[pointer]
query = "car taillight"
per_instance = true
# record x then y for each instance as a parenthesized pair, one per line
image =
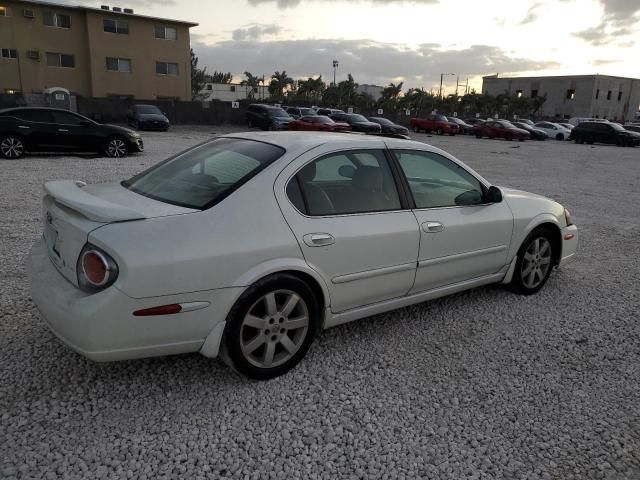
(96, 270)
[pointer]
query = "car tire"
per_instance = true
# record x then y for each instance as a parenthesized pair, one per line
(271, 327)
(116, 147)
(559, 137)
(508, 137)
(12, 146)
(534, 262)
(439, 131)
(478, 135)
(416, 129)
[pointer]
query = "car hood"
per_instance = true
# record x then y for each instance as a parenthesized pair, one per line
(339, 124)
(121, 130)
(631, 133)
(151, 117)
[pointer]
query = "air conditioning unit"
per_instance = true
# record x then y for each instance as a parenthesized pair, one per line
(104, 7)
(116, 9)
(33, 54)
(28, 13)
(128, 10)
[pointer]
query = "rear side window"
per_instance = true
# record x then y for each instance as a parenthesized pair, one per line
(341, 183)
(204, 176)
(41, 116)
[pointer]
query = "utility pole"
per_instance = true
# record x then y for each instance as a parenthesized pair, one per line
(336, 64)
(441, 76)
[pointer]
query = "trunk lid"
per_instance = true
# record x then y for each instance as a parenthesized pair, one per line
(72, 209)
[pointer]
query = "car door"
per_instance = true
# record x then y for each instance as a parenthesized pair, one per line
(462, 237)
(75, 133)
(351, 224)
(36, 124)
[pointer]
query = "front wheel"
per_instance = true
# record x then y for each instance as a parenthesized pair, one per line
(559, 137)
(271, 327)
(116, 148)
(534, 263)
(508, 137)
(439, 131)
(11, 147)
(416, 129)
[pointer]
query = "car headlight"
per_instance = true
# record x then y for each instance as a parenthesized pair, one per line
(567, 217)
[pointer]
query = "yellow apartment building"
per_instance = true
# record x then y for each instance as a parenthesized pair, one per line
(93, 52)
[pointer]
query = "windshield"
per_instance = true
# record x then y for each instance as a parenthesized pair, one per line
(278, 113)
(148, 109)
(382, 121)
(354, 117)
(205, 175)
(322, 119)
(307, 111)
(617, 126)
(455, 120)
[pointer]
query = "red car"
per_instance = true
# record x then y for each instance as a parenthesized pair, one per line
(501, 129)
(318, 123)
(434, 123)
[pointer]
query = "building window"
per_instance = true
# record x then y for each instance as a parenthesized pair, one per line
(57, 20)
(209, 87)
(619, 96)
(4, 11)
(164, 68)
(119, 64)
(534, 93)
(116, 26)
(8, 53)
(165, 33)
(232, 88)
(609, 95)
(571, 94)
(60, 60)
(597, 93)
(519, 93)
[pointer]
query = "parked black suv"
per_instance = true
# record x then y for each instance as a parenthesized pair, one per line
(604, 132)
(389, 127)
(267, 117)
(147, 117)
(358, 122)
(54, 130)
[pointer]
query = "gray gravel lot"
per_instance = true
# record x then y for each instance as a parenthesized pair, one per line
(484, 384)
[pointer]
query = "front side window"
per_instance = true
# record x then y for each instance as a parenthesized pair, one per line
(165, 33)
(57, 20)
(66, 118)
(349, 182)
(33, 115)
(204, 176)
(60, 60)
(436, 181)
(116, 26)
(164, 68)
(8, 53)
(119, 64)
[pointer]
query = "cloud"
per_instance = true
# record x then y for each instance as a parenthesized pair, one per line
(598, 63)
(620, 16)
(369, 61)
(531, 16)
(294, 3)
(254, 31)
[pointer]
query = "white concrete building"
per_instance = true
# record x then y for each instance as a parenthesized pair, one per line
(231, 92)
(602, 96)
(374, 90)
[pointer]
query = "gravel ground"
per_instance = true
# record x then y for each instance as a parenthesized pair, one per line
(484, 384)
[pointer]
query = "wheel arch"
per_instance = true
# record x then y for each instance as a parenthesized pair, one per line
(556, 238)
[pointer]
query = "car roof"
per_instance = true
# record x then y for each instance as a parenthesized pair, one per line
(35, 108)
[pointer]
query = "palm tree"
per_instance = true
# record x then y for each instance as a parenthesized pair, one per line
(280, 81)
(220, 77)
(252, 82)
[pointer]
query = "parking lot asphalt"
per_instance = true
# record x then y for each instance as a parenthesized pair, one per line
(484, 384)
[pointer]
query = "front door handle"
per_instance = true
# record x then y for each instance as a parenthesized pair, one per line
(318, 239)
(23, 126)
(432, 227)
(63, 130)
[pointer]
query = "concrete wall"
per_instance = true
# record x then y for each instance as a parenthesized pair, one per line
(583, 104)
(90, 46)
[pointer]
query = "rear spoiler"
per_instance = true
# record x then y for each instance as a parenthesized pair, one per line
(70, 193)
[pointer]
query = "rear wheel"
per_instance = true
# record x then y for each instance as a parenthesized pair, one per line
(11, 147)
(508, 137)
(116, 147)
(559, 137)
(271, 327)
(416, 129)
(534, 263)
(439, 131)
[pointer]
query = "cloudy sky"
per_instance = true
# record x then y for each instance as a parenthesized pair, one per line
(382, 41)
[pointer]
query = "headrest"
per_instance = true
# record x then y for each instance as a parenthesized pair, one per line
(308, 173)
(367, 177)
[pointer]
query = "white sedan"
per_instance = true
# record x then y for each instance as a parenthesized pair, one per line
(554, 130)
(248, 245)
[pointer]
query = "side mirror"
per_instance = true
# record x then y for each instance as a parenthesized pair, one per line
(494, 195)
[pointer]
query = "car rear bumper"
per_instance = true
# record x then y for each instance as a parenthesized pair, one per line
(102, 326)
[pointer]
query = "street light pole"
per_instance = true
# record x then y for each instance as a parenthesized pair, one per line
(441, 76)
(336, 64)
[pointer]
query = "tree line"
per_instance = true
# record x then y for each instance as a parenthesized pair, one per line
(344, 94)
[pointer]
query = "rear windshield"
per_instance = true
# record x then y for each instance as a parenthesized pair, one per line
(278, 112)
(147, 109)
(205, 175)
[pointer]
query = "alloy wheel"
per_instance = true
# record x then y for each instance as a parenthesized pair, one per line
(12, 147)
(536, 262)
(116, 148)
(274, 329)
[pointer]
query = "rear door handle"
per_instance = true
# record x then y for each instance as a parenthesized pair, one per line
(23, 126)
(432, 227)
(63, 130)
(318, 239)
